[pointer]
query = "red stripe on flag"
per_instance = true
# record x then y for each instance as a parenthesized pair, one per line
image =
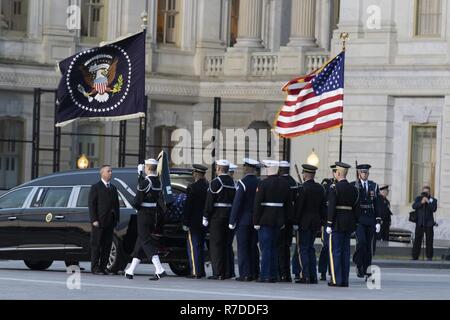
(309, 119)
(312, 106)
(320, 127)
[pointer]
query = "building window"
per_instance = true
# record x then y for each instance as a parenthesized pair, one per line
(423, 158)
(234, 19)
(13, 16)
(168, 21)
(90, 144)
(428, 18)
(93, 14)
(11, 152)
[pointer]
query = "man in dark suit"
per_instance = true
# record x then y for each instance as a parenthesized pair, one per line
(104, 214)
(309, 210)
(425, 206)
(192, 221)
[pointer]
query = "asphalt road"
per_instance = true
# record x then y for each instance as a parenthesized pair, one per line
(18, 282)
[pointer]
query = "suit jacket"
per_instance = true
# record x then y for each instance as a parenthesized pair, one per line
(309, 207)
(195, 203)
(425, 212)
(273, 189)
(104, 205)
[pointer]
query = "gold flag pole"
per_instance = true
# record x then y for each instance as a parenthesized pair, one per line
(344, 37)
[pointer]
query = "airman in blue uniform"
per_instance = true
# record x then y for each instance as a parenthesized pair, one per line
(241, 220)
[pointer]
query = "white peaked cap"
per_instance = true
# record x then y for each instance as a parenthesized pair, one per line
(284, 164)
(233, 167)
(250, 162)
(151, 161)
(270, 163)
(223, 162)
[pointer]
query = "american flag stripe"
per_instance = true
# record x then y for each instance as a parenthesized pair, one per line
(314, 102)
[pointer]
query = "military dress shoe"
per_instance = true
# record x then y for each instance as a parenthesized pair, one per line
(331, 284)
(191, 276)
(265, 280)
(129, 276)
(216, 278)
(285, 279)
(323, 277)
(158, 276)
(360, 273)
(244, 279)
(302, 280)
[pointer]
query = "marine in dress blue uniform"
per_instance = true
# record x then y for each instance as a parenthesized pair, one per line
(286, 234)
(192, 221)
(324, 257)
(343, 211)
(308, 216)
(272, 205)
(219, 201)
(241, 220)
(369, 220)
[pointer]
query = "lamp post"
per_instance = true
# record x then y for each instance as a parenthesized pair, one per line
(83, 162)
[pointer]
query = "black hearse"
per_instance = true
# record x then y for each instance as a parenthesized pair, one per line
(47, 219)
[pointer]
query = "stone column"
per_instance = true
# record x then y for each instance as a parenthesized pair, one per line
(303, 15)
(249, 26)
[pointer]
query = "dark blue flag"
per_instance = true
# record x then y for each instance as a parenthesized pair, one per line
(103, 83)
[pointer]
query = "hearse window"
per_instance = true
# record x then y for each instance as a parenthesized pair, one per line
(53, 198)
(83, 197)
(14, 199)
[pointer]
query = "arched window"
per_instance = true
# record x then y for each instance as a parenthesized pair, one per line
(14, 16)
(11, 152)
(93, 20)
(90, 144)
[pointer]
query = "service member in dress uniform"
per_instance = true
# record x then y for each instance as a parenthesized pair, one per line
(369, 220)
(230, 272)
(324, 257)
(219, 201)
(286, 234)
(308, 215)
(241, 220)
(343, 211)
(149, 212)
(273, 204)
(386, 213)
(193, 219)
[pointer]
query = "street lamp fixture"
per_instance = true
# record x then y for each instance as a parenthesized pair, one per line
(313, 159)
(83, 162)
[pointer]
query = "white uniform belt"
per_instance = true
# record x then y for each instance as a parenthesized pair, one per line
(148, 204)
(367, 206)
(222, 205)
(344, 208)
(272, 204)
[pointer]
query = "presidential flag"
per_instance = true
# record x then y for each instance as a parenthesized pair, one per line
(314, 102)
(105, 83)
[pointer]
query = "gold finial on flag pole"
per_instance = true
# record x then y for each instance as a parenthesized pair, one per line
(344, 37)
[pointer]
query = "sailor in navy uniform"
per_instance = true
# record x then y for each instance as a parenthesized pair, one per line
(192, 221)
(149, 212)
(241, 221)
(273, 204)
(369, 220)
(230, 272)
(324, 257)
(343, 211)
(219, 201)
(286, 234)
(308, 215)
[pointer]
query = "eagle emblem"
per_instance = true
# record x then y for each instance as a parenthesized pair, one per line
(99, 73)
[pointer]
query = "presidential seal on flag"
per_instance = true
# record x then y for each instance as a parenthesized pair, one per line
(104, 83)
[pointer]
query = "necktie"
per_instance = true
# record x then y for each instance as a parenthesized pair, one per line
(365, 186)
(107, 185)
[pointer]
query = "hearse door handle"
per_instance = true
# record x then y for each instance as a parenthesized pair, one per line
(12, 218)
(59, 217)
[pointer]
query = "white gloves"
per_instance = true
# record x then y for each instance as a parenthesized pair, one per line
(232, 226)
(205, 222)
(185, 228)
(295, 227)
(377, 228)
(257, 227)
(140, 168)
(328, 230)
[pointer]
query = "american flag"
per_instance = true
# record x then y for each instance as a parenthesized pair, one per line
(314, 102)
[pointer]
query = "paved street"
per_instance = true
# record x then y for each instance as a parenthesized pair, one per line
(18, 282)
